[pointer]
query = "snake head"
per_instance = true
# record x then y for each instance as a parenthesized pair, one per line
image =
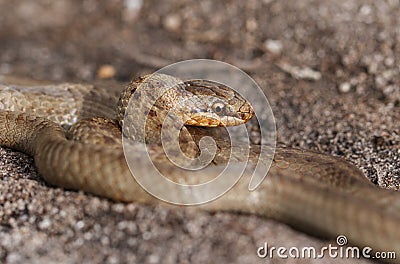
(220, 105)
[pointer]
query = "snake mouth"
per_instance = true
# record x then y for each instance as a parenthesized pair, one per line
(213, 120)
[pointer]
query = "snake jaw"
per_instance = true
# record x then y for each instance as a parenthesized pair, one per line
(202, 120)
(213, 120)
(208, 117)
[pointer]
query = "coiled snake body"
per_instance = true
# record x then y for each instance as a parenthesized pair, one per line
(314, 192)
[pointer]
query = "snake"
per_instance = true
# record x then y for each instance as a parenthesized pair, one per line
(73, 132)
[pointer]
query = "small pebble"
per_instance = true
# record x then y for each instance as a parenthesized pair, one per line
(251, 25)
(273, 46)
(345, 87)
(172, 22)
(106, 71)
(45, 224)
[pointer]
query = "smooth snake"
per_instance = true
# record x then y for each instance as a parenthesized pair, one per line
(314, 192)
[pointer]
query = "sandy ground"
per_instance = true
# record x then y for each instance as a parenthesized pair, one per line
(330, 70)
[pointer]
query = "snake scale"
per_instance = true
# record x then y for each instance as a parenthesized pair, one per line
(314, 192)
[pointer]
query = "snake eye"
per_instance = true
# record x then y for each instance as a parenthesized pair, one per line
(218, 108)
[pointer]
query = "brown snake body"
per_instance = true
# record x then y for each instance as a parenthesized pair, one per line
(314, 192)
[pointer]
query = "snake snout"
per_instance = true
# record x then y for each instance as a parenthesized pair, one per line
(245, 116)
(246, 112)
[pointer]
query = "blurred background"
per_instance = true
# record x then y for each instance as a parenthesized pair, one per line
(329, 68)
(344, 41)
